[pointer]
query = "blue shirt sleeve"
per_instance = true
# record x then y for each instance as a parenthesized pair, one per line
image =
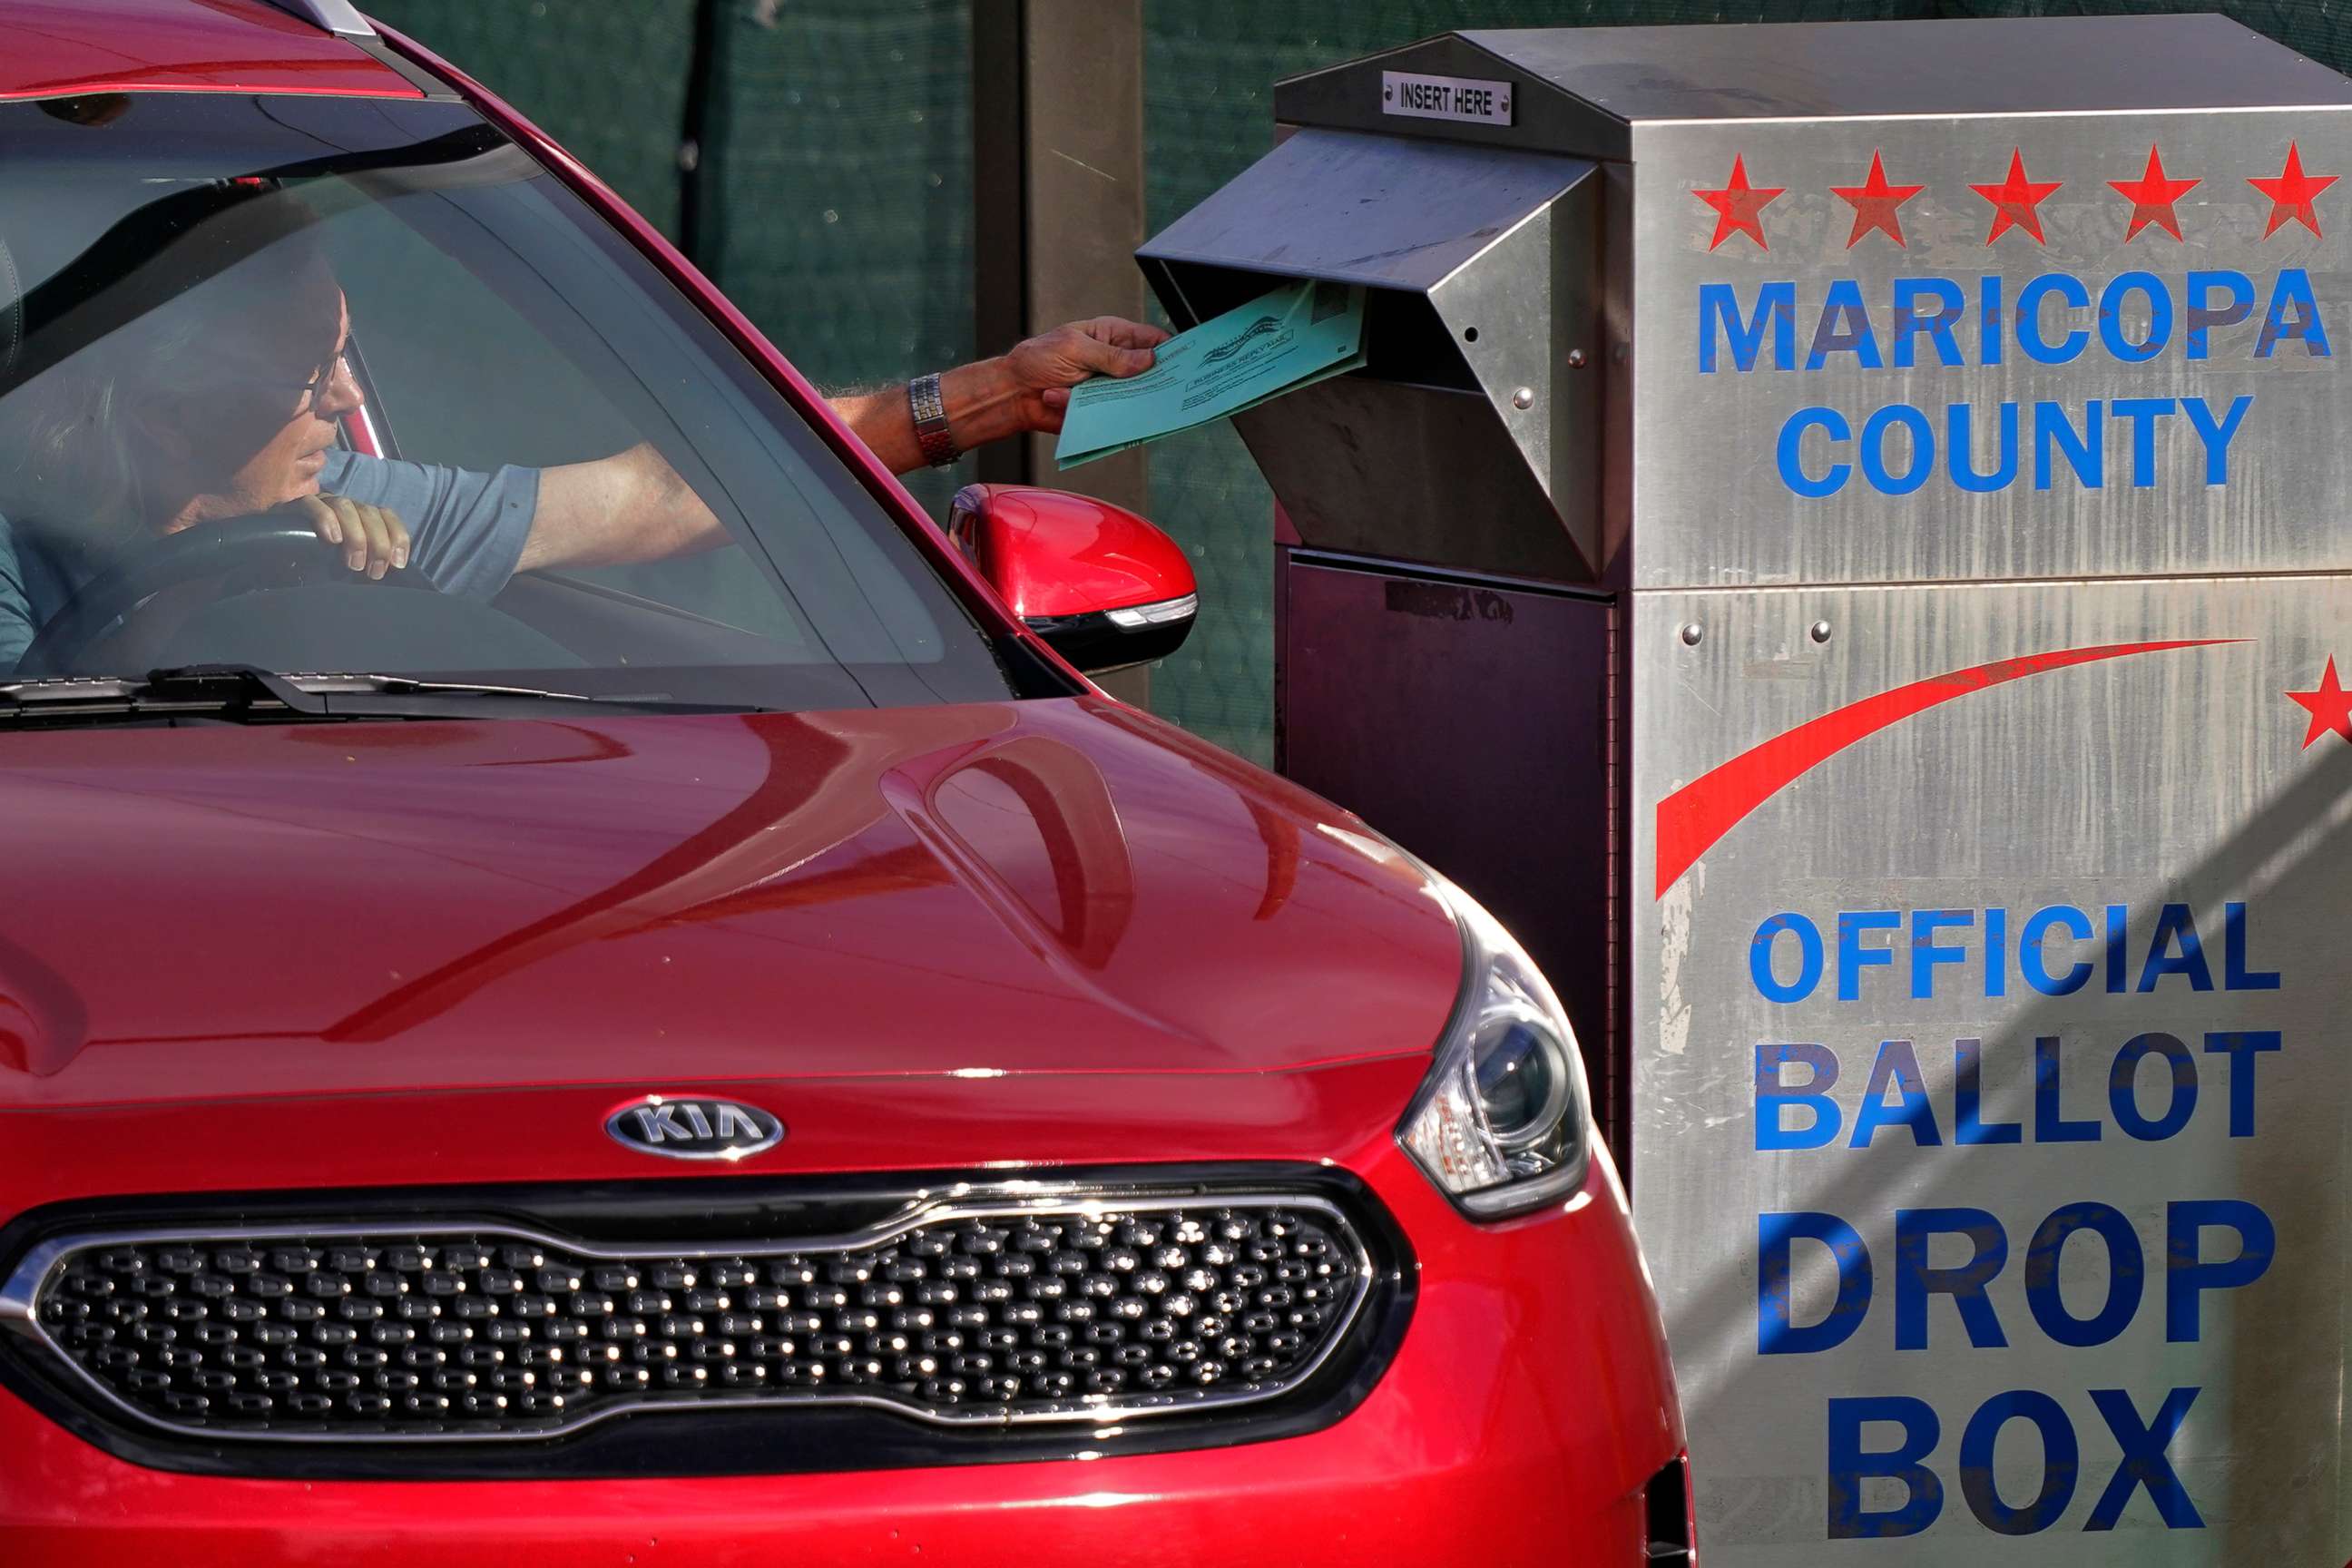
(466, 529)
(16, 624)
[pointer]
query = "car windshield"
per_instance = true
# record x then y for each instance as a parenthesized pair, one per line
(247, 340)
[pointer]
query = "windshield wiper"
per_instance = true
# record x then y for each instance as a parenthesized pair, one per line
(245, 694)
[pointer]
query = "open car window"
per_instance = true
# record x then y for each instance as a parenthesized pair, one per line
(160, 318)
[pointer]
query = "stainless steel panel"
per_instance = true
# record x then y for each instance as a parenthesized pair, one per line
(2139, 780)
(2012, 65)
(1373, 210)
(1712, 506)
(1577, 89)
(1526, 315)
(1422, 474)
(1543, 118)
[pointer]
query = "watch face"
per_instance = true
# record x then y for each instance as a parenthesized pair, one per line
(931, 421)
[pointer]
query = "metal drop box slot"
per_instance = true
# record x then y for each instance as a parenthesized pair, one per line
(1671, 580)
(1467, 437)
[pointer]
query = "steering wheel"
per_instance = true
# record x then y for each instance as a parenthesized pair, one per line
(273, 546)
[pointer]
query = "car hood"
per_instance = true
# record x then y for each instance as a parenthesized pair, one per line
(979, 891)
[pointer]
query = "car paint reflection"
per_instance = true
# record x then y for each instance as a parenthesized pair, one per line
(593, 899)
(801, 804)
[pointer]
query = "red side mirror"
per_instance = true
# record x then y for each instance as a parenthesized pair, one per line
(1106, 588)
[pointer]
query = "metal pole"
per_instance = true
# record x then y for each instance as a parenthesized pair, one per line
(999, 230)
(697, 218)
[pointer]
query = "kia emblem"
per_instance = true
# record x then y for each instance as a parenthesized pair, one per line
(684, 1127)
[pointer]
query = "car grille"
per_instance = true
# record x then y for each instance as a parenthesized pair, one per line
(1078, 1312)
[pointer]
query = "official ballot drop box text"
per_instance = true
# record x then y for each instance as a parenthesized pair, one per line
(1840, 541)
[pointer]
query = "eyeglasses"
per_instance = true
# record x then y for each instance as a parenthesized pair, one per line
(306, 391)
(336, 363)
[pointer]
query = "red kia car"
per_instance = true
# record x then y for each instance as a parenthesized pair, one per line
(707, 1047)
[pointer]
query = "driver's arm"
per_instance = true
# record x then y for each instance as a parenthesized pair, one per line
(633, 506)
(1015, 393)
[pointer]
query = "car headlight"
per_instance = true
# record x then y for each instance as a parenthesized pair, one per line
(1501, 1125)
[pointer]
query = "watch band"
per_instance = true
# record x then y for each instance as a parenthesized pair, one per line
(931, 421)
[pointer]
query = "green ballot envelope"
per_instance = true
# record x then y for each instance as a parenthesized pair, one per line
(1294, 337)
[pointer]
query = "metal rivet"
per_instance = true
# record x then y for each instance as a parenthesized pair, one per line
(1524, 397)
(1576, 359)
(1821, 631)
(1692, 633)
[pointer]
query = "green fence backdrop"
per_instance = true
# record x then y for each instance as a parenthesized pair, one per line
(833, 179)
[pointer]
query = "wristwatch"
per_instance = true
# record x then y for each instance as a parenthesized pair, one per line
(931, 421)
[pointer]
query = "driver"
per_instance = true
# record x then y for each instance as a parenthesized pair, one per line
(224, 403)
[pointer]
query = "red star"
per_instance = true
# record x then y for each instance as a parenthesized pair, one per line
(2015, 200)
(1738, 207)
(2292, 194)
(2151, 197)
(1873, 202)
(2330, 708)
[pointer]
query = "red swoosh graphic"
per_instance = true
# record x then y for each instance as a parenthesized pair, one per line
(1694, 817)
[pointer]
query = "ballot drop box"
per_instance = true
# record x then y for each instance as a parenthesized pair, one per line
(1843, 540)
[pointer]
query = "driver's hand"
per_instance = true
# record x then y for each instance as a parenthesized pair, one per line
(374, 541)
(1045, 368)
